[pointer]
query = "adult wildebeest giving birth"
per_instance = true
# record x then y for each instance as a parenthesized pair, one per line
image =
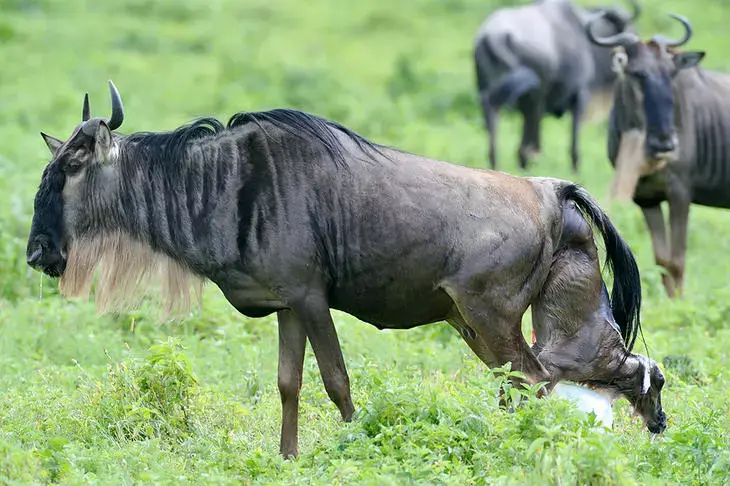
(538, 58)
(668, 138)
(290, 213)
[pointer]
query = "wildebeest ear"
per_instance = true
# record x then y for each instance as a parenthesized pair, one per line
(53, 143)
(684, 60)
(646, 381)
(102, 142)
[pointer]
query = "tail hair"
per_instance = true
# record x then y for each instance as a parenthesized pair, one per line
(495, 54)
(626, 292)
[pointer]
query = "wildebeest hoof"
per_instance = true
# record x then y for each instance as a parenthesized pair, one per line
(527, 154)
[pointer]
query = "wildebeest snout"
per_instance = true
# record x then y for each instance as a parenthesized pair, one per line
(661, 143)
(45, 258)
(660, 425)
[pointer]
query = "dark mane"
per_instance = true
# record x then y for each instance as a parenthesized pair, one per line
(298, 123)
(303, 124)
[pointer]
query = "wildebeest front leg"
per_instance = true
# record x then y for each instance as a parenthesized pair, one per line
(316, 319)
(655, 222)
(292, 342)
(678, 219)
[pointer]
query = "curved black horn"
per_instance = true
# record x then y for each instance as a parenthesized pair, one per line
(660, 39)
(86, 113)
(117, 108)
(620, 39)
(637, 10)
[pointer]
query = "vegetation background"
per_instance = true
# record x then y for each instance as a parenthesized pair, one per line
(124, 399)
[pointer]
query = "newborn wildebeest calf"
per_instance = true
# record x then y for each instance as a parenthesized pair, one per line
(286, 212)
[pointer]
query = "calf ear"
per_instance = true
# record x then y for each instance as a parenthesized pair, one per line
(646, 381)
(53, 143)
(684, 60)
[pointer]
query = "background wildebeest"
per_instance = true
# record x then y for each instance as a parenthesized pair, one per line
(537, 57)
(290, 213)
(668, 138)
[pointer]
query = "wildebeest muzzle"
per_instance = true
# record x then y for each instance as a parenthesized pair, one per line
(43, 255)
(660, 145)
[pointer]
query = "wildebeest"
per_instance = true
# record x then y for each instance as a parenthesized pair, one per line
(537, 57)
(290, 213)
(668, 138)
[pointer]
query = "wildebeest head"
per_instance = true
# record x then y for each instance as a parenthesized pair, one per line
(645, 395)
(644, 94)
(89, 145)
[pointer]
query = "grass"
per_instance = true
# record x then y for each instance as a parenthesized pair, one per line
(123, 399)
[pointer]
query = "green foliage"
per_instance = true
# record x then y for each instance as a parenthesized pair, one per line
(126, 399)
(151, 401)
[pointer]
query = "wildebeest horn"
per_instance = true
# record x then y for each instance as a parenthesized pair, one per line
(660, 39)
(637, 10)
(86, 114)
(620, 39)
(117, 108)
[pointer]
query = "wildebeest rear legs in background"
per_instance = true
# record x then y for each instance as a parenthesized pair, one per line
(491, 121)
(531, 106)
(582, 98)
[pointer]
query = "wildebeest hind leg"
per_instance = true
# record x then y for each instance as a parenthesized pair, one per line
(531, 107)
(497, 339)
(579, 106)
(492, 123)
(471, 338)
(315, 317)
(292, 341)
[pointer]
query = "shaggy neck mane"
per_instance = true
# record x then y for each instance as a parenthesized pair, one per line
(627, 111)
(127, 268)
(166, 208)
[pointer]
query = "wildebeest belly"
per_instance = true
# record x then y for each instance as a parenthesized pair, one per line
(387, 310)
(397, 296)
(248, 296)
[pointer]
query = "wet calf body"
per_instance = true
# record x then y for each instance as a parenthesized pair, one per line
(576, 336)
(291, 214)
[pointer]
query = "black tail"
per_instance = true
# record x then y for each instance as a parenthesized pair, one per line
(512, 85)
(626, 292)
(490, 55)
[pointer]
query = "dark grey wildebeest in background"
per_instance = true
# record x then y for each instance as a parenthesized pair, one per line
(669, 138)
(290, 213)
(537, 58)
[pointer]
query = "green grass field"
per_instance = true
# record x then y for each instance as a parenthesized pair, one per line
(125, 399)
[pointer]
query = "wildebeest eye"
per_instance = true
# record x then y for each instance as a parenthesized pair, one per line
(72, 167)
